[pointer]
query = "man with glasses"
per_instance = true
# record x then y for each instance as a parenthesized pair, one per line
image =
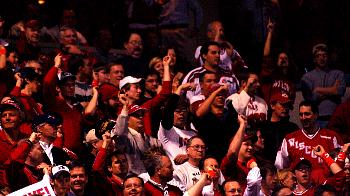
(188, 173)
(303, 169)
(299, 144)
(134, 59)
(323, 85)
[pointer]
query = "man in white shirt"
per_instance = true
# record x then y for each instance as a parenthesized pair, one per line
(188, 173)
(245, 102)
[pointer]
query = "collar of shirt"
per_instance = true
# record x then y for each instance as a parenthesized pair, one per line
(47, 148)
(164, 189)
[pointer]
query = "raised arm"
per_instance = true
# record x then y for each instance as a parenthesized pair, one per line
(170, 106)
(267, 47)
(320, 152)
(197, 188)
(102, 153)
(121, 126)
(237, 140)
(16, 91)
(90, 109)
(204, 108)
(50, 82)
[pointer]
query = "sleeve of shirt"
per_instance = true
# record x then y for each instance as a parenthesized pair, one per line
(253, 182)
(342, 83)
(282, 160)
(337, 141)
(306, 87)
(240, 101)
(180, 177)
(163, 135)
(121, 126)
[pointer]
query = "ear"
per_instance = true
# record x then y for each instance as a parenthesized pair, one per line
(109, 169)
(204, 57)
(272, 106)
(125, 44)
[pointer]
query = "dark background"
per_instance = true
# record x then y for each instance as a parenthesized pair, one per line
(299, 24)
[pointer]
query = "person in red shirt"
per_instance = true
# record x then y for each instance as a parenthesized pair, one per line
(28, 83)
(236, 163)
(299, 144)
(14, 143)
(63, 102)
(117, 166)
(305, 186)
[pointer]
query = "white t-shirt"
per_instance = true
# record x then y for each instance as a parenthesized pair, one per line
(174, 140)
(187, 175)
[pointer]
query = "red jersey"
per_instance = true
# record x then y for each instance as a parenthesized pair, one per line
(298, 145)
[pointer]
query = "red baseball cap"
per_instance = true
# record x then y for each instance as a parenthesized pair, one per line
(135, 108)
(280, 98)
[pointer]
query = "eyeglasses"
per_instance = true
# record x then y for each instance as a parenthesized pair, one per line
(198, 147)
(136, 43)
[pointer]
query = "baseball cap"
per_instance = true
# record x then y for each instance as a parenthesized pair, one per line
(301, 163)
(33, 24)
(136, 108)
(49, 118)
(64, 76)
(102, 126)
(90, 136)
(128, 80)
(280, 98)
(320, 46)
(10, 104)
(59, 170)
(107, 91)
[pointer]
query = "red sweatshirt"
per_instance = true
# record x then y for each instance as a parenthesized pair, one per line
(72, 117)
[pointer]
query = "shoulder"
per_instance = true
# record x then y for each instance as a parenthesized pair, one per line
(194, 73)
(173, 188)
(294, 134)
(328, 132)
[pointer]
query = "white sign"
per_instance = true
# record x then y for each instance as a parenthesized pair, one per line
(40, 188)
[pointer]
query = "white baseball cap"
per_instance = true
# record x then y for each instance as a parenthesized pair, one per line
(128, 80)
(90, 136)
(59, 169)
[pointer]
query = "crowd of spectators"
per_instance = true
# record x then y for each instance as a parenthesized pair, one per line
(156, 118)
